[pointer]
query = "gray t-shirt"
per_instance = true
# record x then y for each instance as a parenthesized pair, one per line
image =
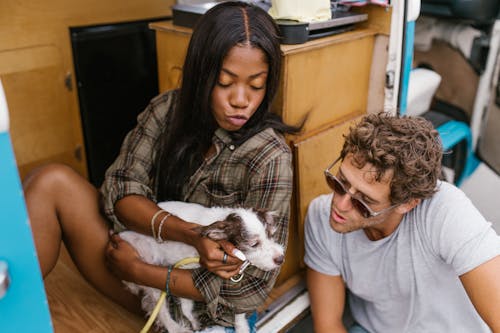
(408, 281)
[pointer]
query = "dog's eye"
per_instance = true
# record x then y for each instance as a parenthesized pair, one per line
(255, 244)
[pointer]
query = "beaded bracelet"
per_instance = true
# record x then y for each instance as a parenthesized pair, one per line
(158, 238)
(167, 288)
(153, 219)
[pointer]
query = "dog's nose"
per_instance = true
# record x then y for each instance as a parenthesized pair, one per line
(279, 259)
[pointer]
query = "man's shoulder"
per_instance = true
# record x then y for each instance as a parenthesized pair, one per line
(448, 212)
(447, 196)
(321, 202)
(318, 211)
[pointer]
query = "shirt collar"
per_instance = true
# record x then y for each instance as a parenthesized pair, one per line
(223, 136)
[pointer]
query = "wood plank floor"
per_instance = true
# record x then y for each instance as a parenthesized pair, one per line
(76, 307)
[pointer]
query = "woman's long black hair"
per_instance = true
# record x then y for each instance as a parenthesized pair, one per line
(192, 125)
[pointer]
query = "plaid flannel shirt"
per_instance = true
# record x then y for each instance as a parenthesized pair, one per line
(257, 173)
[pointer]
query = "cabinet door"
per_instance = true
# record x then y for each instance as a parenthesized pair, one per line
(43, 127)
(171, 47)
(313, 154)
(328, 81)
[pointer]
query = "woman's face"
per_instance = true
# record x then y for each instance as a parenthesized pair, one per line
(240, 88)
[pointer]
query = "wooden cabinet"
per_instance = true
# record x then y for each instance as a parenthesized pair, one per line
(312, 155)
(328, 79)
(37, 72)
(41, 121)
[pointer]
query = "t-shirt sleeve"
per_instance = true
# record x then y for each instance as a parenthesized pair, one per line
(321, 246)
(459, 234)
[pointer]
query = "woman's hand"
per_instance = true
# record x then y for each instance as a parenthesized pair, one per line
(212, 257)
(122, 258)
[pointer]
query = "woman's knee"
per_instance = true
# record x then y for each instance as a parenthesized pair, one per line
(51, 177)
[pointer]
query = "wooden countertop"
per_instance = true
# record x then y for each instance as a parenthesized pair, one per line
(168, 26)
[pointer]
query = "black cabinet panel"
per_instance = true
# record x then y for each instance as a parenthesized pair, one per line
(116, 74)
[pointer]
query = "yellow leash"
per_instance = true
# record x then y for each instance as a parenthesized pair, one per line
(154, 314)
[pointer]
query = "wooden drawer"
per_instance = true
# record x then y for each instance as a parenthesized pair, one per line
(327, 79)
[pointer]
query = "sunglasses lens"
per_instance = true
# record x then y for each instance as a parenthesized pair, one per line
(335, 185)
(360, 207)
(338, 188)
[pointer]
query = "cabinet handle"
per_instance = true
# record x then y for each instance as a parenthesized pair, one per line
(68, 81)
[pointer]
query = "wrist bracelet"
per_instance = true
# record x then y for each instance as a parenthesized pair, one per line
(153, 219)
(167, 288)
(158, 238)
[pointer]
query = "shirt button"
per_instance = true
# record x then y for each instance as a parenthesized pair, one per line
(232, 147)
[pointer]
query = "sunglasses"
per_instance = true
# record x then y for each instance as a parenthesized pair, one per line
(339, 188)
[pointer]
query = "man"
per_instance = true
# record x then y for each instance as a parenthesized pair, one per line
(412, 251)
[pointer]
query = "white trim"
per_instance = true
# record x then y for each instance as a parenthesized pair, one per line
(4, 111)
(413, 10)
(483, 94)
(286, 315)
(393, 68)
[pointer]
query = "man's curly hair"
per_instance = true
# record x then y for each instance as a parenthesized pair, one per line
(409, 146)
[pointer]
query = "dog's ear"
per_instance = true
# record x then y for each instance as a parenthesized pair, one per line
(215, 231)
(268, 218)
(229, 228)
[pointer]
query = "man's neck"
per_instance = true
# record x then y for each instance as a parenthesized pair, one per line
(384, 229)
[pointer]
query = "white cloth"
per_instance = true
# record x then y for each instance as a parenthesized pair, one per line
(300, 10)
(422, 86)
(409, 281)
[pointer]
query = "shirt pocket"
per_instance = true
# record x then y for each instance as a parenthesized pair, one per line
(219, 197)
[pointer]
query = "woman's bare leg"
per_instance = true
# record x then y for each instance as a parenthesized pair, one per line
(63, 206)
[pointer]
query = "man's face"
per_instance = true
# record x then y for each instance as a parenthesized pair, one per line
(345, 217)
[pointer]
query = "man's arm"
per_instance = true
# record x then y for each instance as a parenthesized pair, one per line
(483, 287)
(327, 295)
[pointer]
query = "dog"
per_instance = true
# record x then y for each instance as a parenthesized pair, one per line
(250, 230)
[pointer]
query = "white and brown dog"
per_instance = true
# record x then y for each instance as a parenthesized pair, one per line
(249, 230)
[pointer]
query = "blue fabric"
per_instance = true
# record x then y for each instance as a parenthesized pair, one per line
(252, 321)
(356, 328)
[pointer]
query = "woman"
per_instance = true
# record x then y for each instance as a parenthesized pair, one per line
(213, 142)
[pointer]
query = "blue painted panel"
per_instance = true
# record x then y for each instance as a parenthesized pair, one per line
(451, 133)
(407, 64)
(24, 307)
